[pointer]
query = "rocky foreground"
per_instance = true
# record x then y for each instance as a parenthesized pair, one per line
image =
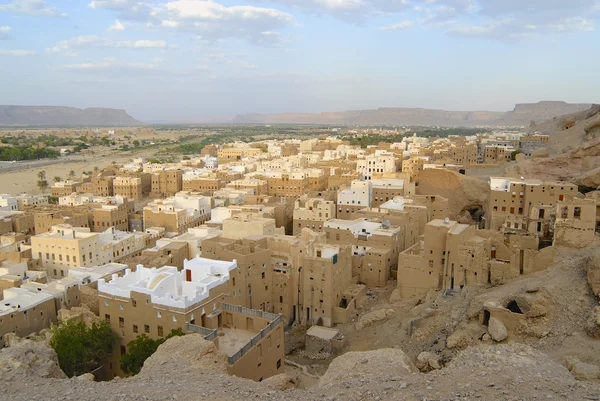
(192, 369)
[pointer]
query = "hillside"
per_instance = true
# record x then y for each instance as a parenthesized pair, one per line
(63, 116)
(522, 114)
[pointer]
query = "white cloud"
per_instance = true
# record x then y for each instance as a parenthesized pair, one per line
(206, 18)
(109, 64)
(35, 8)
(4, 33)
(134, 10)
(92, 41)
(117, 26)
(397, 27)
(18, 53)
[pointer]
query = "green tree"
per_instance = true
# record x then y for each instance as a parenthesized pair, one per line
(141, 349)
(81, 349)
(42, 184)
(57, 179)
(72, 173)
(513, 155)
(136, 143)
(41, 175)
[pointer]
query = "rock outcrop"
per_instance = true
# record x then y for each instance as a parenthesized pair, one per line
(463, 193)
(369, 364)
(427, 361)
(190, 350)
(30, 358)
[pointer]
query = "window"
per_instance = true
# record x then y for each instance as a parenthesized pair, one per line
(278, 363)
(107, 318)
(123, 350)
(135, 328)
(133, 303)
(147, 328)
(160, 331)
(121, 322)
(577, 213)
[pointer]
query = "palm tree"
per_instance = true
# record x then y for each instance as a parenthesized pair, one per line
(41, 175)
(72, 173)
(57, 179)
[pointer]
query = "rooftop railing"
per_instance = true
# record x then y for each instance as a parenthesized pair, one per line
(209, 334)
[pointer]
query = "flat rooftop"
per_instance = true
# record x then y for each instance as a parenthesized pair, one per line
(234, 340)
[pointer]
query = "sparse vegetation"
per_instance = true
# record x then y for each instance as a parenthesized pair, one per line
(141, 349)
(81, 349)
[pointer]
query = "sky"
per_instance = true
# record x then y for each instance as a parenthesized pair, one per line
(195, 60)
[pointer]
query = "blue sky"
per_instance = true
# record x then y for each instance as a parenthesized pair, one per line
(193, 60)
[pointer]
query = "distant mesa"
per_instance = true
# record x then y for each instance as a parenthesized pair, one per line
(64, 116)
(522, 115)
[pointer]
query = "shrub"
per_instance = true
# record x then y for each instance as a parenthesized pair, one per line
(81, 349)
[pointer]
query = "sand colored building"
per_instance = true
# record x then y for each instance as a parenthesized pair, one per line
(385, 189)
(64, 188)
(166, 182)
(381, 162)
(328, 295)
(312, 213)
(130, 187)
(227, 155)
(452, 256)
(23, 312)
(352, 199)
(66, 247)
(259, 187)
(575, 224)
(414, 166)
(250, 284)
(510, 200)
(156, 301)
(287, 184)
(245, 225)
(194, 238)
(375, 246)
(201, 182)
(179, 213)
(497, 154)
(99, 186)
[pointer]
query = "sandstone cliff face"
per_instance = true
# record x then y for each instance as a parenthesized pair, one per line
(63, 116)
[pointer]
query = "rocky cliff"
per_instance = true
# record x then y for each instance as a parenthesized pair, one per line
(63, 116)
(523, 114)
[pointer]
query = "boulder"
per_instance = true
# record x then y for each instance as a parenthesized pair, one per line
(372, 317)
(585, 371)
(88, 377)
(463, 192)
(191, 349)
(589, 179)
(30, 358)
(497, 330)
(368, 365)
(427, 361)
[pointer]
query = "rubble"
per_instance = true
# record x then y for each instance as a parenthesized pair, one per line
(427, 361)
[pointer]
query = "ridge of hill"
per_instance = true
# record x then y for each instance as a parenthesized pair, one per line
(521, 115)
(63, 116)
